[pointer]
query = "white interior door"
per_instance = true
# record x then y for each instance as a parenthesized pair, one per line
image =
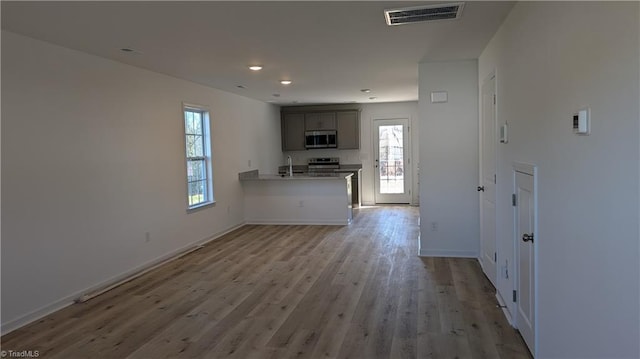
(487, 188)
(525, 237)
(391, 161)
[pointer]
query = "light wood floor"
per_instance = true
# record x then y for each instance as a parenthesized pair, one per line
(357, 291)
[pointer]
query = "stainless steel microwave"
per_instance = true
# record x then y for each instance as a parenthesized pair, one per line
(320, 139)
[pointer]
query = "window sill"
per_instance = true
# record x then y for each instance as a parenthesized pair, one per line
(201, 206)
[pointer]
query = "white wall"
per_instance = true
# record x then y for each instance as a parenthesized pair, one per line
(552, 59)
(449, 160)
(365, 156)
(93, 157)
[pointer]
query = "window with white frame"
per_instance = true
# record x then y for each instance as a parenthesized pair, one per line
(198, 151)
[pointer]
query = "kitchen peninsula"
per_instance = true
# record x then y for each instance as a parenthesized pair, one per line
(298, 199)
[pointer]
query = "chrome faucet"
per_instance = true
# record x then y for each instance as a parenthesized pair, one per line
(290, 163)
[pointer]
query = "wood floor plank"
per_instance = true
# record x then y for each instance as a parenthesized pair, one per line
(357, 291)
(405, 336)
(318, 297)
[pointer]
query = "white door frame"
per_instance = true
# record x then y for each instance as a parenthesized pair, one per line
(488, 185)
(393, 198)
(532, 170)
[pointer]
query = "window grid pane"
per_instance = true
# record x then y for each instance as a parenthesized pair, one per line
(197, 192)
(196, 170)
(193, 123)
(197, 123)
(195, 146)
(188, 122)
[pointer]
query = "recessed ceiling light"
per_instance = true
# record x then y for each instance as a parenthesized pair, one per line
(286, 82)
(365, 90)
(255, 67)
(276, 95)
(241, 87)
(372, 98)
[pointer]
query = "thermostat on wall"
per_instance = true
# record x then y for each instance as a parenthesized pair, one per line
(581, 121)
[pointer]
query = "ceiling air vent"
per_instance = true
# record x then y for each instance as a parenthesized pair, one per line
(410, 15)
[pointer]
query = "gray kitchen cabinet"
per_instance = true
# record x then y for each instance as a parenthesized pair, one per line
(320, 121)
(342, 118)
(348, 130)
(293, 126)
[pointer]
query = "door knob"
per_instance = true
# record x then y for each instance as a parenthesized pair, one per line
(480, 188)
(527, 237)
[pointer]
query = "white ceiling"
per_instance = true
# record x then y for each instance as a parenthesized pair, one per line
(329, 49)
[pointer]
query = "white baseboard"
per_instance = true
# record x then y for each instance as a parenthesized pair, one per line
(447, 253)
(110, 283)
(32, 316)
(371, 204)
(296, 223)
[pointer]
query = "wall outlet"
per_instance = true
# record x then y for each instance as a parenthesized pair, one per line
(301, 204)
(249, 163)
(147, 237)
(434, 226)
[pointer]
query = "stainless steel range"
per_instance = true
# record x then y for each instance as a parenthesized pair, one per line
(323, 166)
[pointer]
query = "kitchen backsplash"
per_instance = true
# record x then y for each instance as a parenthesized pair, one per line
(302, 157)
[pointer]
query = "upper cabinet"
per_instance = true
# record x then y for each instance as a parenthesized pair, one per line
(344, 119)
(348, 130)
(320, 121)
(293, 132)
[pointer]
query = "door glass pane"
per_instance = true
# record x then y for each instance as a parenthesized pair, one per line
(391, 159)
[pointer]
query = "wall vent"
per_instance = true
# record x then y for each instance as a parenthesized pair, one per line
(410, 15)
